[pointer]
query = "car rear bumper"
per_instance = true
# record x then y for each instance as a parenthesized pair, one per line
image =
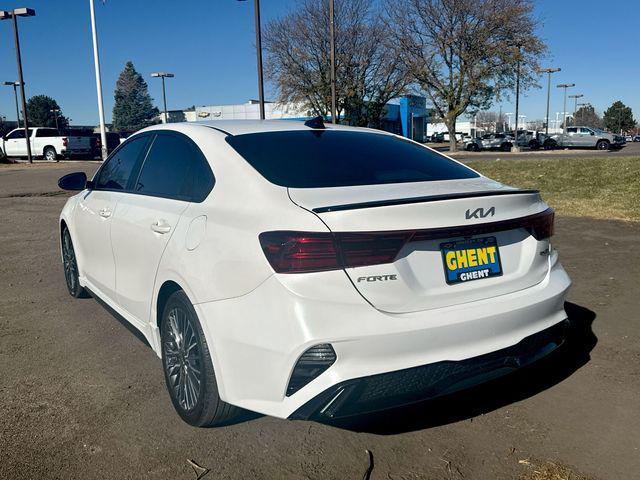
(382, 359)
(411, 385)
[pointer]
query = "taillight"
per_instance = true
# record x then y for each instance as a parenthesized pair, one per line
(65, 141)
(541, 226)
(360, 249)
(303, 252)
(299, 252)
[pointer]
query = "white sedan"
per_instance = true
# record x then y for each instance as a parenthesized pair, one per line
(312, 272)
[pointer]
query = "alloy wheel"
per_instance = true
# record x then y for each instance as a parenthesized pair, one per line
(182, 357)
(69, 263)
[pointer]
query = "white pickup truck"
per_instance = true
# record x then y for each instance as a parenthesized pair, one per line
(45, 142)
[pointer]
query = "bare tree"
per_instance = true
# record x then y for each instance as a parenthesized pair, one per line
(368, 74)
(463, 53)
(487, 121)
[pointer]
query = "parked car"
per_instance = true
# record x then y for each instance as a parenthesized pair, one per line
(628, 138)
(585, 137)
(374, 273)
(490, 141)
(636, 138)
(45, 142)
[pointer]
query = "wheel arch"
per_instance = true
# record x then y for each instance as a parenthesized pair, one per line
(44, 149)
(168, 288)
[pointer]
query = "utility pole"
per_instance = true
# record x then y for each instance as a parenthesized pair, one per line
(548, 71)
(332, 35)
(96, 62)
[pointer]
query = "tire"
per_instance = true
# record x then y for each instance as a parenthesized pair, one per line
(550, 145)
(188, 369)
(603, 145)
(505, 147)
(70, 266)
(50, 154)
(534, 145)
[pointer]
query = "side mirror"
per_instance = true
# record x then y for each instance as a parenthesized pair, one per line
(591, 133)
(74, 181)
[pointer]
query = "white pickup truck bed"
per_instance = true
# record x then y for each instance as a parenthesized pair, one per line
(45, 142)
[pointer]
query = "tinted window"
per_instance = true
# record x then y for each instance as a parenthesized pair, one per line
(115, 174)
(175, 168)
(313, 159)
(47, 132)
(572, 130)
(17, 134)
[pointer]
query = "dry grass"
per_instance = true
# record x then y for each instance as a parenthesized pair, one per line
(598, 187)
(552, 471)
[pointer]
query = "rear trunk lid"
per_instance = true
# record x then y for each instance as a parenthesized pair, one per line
(465, 224)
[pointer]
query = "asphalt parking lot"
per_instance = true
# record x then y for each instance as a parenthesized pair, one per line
(82, 397)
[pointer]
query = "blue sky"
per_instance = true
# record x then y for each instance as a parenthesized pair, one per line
(209, 45)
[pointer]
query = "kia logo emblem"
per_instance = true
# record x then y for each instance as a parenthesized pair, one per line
(480, 213)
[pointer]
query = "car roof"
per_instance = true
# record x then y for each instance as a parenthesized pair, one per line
(242, 127)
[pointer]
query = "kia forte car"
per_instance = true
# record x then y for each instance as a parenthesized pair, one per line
(307, 271)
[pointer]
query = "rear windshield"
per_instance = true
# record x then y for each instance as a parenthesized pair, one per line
(314, 159)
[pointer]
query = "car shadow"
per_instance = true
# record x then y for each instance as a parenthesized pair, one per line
(524, 383)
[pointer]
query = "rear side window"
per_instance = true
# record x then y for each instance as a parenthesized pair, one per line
(175, 168)
(114, 175)
(47, 132)
(314, 159)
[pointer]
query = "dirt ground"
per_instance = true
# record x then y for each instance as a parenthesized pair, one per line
(82, 397)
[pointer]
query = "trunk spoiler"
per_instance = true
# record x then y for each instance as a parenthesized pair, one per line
(428, 198)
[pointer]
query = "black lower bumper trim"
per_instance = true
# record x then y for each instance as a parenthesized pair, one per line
(411, 385)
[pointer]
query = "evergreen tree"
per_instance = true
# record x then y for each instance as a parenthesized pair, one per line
(41, 111)
(133, 107)
(619, 118)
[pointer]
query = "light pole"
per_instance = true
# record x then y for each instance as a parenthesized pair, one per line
(55, 112)
(332, 37)
(564, 109)
(96, 63)
(13, 15)
(164, 75)
(515, 146)
(256, 12)
(15, 96)
(508, 115)
(548, 71)
(575, 105)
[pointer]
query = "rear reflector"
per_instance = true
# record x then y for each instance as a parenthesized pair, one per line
(310, 365)
(304, 252)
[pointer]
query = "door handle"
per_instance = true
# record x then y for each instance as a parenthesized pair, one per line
(105, 213)
(161, 227)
